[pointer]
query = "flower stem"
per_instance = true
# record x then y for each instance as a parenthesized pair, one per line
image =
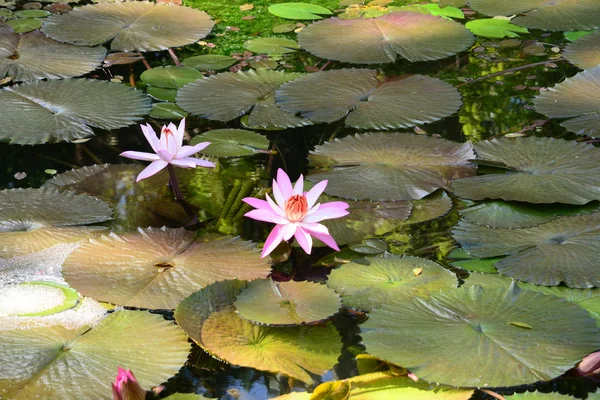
(193, 221)
(174, 183)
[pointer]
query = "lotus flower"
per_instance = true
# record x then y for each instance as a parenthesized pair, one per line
(167, 150)
(295, 213)
(126, 387)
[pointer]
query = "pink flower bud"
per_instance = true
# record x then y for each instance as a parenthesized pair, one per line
(126, 387)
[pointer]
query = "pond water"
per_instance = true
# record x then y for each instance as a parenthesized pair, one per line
(421, 249)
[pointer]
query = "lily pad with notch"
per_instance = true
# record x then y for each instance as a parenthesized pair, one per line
(390, 166)
(232, 142)
(412, 36)
(133, 25)
(368, 102)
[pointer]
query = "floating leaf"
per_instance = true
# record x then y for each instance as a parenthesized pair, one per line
(167, 111)
(272, 46)
(162, 93)
(170, 77)
(539, 170)
(562, 250)
(229, 95)
(299, 10)
(415, 100)
(23, 25)
(390, 166)
(543, 14)
(433, 9)
(431, 207)
(435, 332)
(131, 26)
(209, 62)
(494, 28)
(55, 362)
(387, 278)
(157, 268)
(572, 36)
(413, 36)
(32, 299)
(284, 28)
(31, 13)
(268, 302)
(460, 258)
(51, 111)
(585, 52)
(231, 142)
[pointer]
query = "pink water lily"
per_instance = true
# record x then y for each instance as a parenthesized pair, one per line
(167, 150)
(126, 387)
(296, 214)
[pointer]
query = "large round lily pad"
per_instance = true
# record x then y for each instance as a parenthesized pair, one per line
(32, 56)
(370, 103)
(229, 95)
(387, 278)
(539, 170)
(34, 299)
(390, 166)
(575, 98)
(555, 15)
(135, 25)
(157, 268)
(413, 36)
(482, 337)
(52, 111)
(584, 52)
(54, 362)
(562, 250)
(210, 320)
(286, 303)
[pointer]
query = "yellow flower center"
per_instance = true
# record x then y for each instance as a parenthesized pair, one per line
(296, 207)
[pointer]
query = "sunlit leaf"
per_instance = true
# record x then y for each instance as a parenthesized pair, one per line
(460, 258)
(167, 110)
(299, 10)
(33, 299)
(232, 142)
(273, 46)
(433, 9)
(209, 62)
(170, 77)
(494, 28)
(585, 52)
(135, 25)
(23, 25)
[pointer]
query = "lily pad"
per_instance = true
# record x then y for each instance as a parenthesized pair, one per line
(55, 362)
(387, 278)
(574, 97)
(501, 352)
(167, 110)
(562, 250)
(209, 62)
(23, 25)
(210, 320)
(232, 142)
(286, 303)
(460, 258)
(495, 28)
(157, 268)
(134, 25)
(162, 94)
(34, 56)
(543, 14)
(413, 36)
(585, 52)
(170, 77)
(299, 10)
(34, 299)
(433, 9)
(229, 95)
(389, 166)
(272, 46)
(371, 104)
(538, 170)
(57, 110)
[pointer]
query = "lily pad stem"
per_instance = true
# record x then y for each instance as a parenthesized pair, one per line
(511, 70)
(174, 57)
(193, 222)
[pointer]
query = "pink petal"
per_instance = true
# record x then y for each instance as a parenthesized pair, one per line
(272, 241)
(151, 137)
(288, 231)
(187, 151)
(325, 238)
(299, 187)
(278, 194)
(138, 155)
(283, 181)
(151, 169)
(165, 155)
(257, 203)
(185, 163)
(304, 239)
(334, 209)
(203, 163)
(168, 141)
(180, 132)
(266, 216)
(275, 207)
(314, 193)
(314, 227)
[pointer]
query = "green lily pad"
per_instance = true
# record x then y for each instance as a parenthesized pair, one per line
(210, 320)
(389, 166)
(157, 268)
(460, 258)
(538, 170)
(299, 10)
(433, 206)
(229, 95)
(273, 46)
(562, 250)
(387, 278)
(368, 103)
(413, 36)
(32, 56)
(162, 94)
(574, 98)
(572, 36)
(31, 13)
(40, 361)
(543, 14)
(167, 111)
(36, 299)
(540, 396)
(585, 52)
(495, 28)
(209, 62)
(133, 25)
(433, 9)
(284, 28)
(170, 77)
(57, 110)
(499, 353)
(23, 25)
(286, 303)
(232, 142)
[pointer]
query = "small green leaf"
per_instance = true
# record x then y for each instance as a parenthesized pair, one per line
(284, 28)
(167, 111)
(298, 10)
(272, 46)
(209, 62)
(495, 28)
(232, 142)
(23, 25)
(369, 246)
(170, 77)
(162, 94)
(31, 14)
(572, 36)
(521, 325)
(433, 9)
